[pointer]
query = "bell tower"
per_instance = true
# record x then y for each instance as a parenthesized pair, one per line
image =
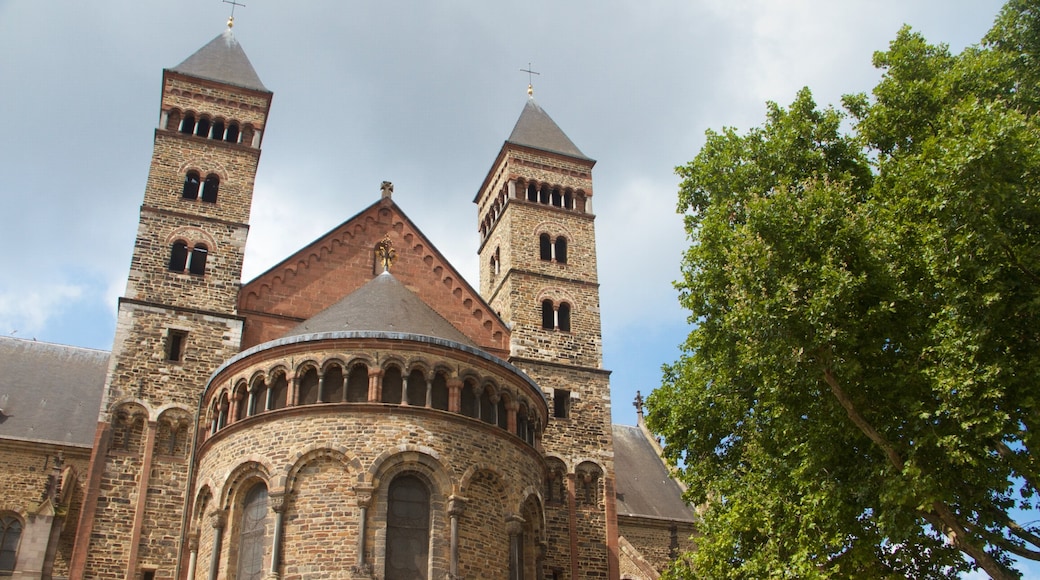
(177, 320)
(538, 271)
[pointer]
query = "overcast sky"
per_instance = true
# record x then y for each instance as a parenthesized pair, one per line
(420, 93)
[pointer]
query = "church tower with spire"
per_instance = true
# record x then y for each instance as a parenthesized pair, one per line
(538, 272)
(177, 320)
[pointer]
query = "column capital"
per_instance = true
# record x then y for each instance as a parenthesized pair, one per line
(218, 518)
(456, 505)
(363, 495)
(277, 501)
(514, 524)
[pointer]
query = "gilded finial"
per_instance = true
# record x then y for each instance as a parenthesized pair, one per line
(234, 4)
(230, 22)
(530, 79)
(385, 252)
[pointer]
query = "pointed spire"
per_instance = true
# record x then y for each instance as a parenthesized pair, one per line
(222, 60)
(536, 129)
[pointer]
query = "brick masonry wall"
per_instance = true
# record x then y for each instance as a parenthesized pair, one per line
(655, 538)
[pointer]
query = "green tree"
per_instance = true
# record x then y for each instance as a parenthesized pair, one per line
(860, 393)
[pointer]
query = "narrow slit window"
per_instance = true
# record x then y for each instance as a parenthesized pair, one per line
(548, 315)
(564, 316)
(561, 403)
(175, 340)
(561, 250)
(544, 247)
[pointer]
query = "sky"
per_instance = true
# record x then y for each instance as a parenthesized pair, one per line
(420, 93)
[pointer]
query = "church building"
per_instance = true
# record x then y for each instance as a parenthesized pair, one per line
(359, 410)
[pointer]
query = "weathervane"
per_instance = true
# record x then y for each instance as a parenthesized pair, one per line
(385, 252)
(530, 78)
(233, 3)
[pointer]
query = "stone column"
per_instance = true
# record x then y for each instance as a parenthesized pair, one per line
(193, 554)
(236, 398)
(219, 518)
(455, 506)
(375, 385)
(363, 498)
(511, 410)
(455, 395)
(429, 393)
(321, 386)
(277, 503)
(515, 528)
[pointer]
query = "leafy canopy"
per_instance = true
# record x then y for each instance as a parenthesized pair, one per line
(860, 394)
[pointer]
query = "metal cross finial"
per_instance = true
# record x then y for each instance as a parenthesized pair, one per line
(638, 403)
(530, 79)
(233, 3)
(385, 252)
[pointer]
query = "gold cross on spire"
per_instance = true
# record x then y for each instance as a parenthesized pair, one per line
(385, 252)
(233, 3)
(530, 79)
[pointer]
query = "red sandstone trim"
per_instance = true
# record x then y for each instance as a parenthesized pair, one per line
(613, 567)
(85, 526)
(142, 500)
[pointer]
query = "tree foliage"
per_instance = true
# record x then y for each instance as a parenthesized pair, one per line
(860, 394)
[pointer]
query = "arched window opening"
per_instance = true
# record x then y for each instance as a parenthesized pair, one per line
(202, 128)
(392, 386)
(468, 400)
(197, 265)
(439, 392)
(543, 195)
(178, 256)
(357, 385)
(417, 389)
(258, 397)
(557, 198)
(209, 189)
(564, 315)
(532, 192)
(521, 422)
(232, 133)
(407, 529)
(279, 393)
(218, 130)
(332, 385)
(487, 408)
(308, 387)
(501, 413)
(568, 199)
(561, 250)
(544, 247)
(252, 533)
(242, 403)
(191, 185)
(224, 411)
(548, 315)
(173, 120)
(188, 124)
(10, 536)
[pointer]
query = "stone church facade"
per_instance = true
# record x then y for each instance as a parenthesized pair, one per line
(358, 410)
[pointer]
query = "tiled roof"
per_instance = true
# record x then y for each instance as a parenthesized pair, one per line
(222, 60)
(536, 129)
(644, 486)
(50, 392)
(382, 305)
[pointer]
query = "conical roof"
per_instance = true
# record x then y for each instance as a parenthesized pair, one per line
(222, 60)
(536, 129)
(382, 305)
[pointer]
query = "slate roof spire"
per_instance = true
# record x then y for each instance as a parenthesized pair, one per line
(222, 60)
(536, 129)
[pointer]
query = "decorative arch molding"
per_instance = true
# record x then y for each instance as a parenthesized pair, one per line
(132, 407)
(162, 411)
(253, 467)
(409, 457)
(314, 452)
(553, 229)
(217, 168)
(557, 295)
(192, 235)
(473, 470)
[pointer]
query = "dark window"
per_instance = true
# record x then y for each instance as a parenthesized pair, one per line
(308, 387)
(232, 133)
(439, 392)
(209, 189)
(532, 192)
(175, 340)
(544, 247)
(218, 130)
(468, 401)
(417, 389)
(357, 385)
(202, 129)
(543, 195)
(548, 316)
(279, 392)
(178, 256)
(502, 414)
(407, 529)
(188, 124)
(332, 385)
(148, 575)
(198, 260)
(251, 535)
(564, 317)
(561, 250)
(568, 200)
(392, 386)
(487, 408)
(191, 185)
(258, 397)
(10, 535)
(557, 199)
(561, 403)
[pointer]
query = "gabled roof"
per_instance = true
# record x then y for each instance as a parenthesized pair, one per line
(222, 60)
(644, 485)
(536, 129)
(382, 305)
(50, 392)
